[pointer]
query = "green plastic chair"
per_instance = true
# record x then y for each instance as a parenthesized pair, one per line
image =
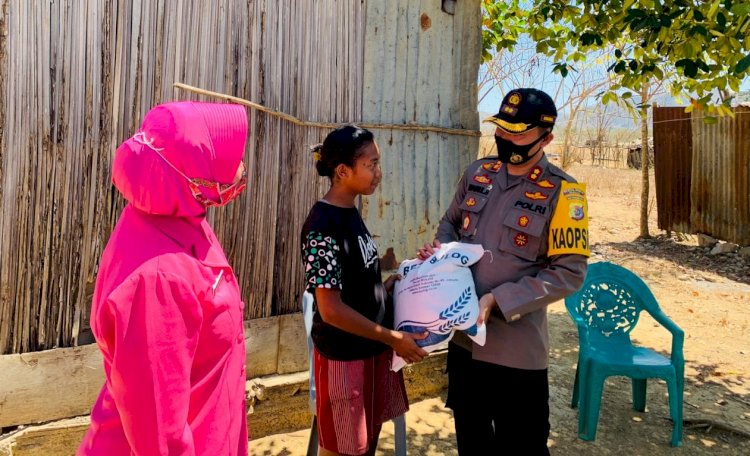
(606, 310)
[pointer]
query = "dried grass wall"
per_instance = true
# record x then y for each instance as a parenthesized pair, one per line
(76, 77)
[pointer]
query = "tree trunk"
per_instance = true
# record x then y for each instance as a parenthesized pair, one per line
(644, 164)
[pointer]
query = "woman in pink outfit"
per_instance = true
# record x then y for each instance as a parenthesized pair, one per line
(167, 312)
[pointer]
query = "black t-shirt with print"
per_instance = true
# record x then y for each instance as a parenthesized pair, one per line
(339, 253)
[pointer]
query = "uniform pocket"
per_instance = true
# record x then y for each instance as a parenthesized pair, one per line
(471, 207)
(521, 234)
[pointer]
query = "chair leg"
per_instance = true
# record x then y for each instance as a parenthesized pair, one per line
(400, 435)
(312, 444)
(576, 387)
(582, 372)
(639, 394)
(594, 401)
(676, 391)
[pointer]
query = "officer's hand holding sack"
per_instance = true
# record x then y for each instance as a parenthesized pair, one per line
(437, 296)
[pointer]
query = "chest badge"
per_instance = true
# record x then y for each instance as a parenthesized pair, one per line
(545, 184)
(493, 167)
(471, 202)
(535, 173)
(523, 221)
(535, 196)
(467, 222)
(482, 179)
(520, 240)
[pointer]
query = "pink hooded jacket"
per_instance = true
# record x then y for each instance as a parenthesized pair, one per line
(167, 313)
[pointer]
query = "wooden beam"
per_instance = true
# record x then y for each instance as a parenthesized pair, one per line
(49, 385)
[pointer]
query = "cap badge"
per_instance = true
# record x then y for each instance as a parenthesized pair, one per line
(509, 110)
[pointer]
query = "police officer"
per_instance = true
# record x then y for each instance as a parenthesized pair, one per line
(532, 218)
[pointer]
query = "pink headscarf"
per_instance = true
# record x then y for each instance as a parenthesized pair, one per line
(202, 140)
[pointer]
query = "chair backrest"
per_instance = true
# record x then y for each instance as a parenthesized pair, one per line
(610, 301)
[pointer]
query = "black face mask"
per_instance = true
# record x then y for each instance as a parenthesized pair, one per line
(507, 152)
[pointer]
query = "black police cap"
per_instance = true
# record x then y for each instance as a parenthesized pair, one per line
(524, 109)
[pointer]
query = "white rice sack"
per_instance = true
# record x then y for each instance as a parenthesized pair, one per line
(437, 295)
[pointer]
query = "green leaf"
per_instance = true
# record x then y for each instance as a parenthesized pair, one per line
(742, 65)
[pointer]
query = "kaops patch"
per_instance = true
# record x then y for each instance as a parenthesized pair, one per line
(535, 195)
(569, 227)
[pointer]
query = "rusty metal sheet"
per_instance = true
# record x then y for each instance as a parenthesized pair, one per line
(673, 152)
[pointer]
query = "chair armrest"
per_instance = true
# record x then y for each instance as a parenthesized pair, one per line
(678, 335)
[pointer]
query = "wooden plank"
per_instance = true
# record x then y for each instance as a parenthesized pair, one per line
(292, 344)
(49, 385)
(261, 344)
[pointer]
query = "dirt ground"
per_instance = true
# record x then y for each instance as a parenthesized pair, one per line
(708, 296)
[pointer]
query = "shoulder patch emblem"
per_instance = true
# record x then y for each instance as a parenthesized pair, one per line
(545, 184)
(482, 179)
(535, 195)
(520, 240)
(569, 227)
(535, 173)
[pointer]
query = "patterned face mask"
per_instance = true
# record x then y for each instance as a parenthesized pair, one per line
(226, 192)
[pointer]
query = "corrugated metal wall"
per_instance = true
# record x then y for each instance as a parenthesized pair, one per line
(673, 158)
(720, 190)
(420, 66)
(76, 77)
(703, 173)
